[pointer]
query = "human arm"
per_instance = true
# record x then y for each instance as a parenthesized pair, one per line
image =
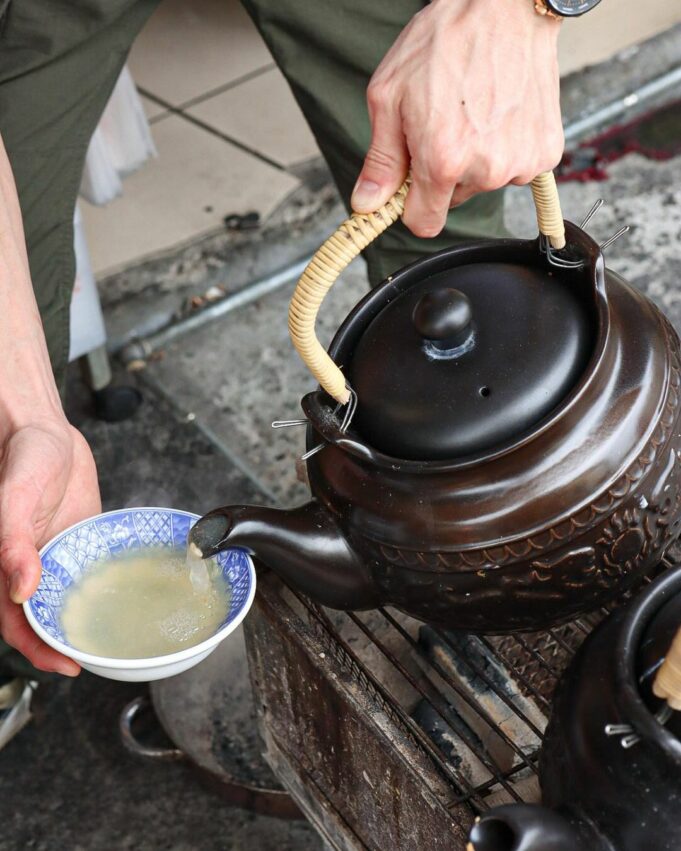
(468, 99)
(48, 478)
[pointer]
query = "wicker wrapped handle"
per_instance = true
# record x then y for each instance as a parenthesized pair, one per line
(667, 683)
(350, 239)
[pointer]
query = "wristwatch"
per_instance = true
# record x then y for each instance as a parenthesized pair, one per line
(564, 8)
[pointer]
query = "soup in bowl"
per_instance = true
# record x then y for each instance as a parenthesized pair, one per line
(119, 596)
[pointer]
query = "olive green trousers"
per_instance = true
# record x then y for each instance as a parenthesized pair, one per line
(59, 62)
(60, 59)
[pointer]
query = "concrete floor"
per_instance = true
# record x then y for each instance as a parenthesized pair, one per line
(200, 65)
(66, 782)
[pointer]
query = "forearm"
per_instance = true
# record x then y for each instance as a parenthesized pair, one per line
(27, 389)
(48, 478)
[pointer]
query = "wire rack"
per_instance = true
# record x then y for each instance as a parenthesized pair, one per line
(477, 705)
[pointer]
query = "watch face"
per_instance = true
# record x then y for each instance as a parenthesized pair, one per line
(572, 8)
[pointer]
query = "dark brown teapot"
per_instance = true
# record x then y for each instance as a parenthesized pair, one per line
(610, 770)
(503, 453)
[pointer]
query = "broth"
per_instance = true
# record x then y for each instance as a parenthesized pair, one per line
(147, 603)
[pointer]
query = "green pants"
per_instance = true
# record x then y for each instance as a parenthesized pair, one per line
(60, 60)
(328, 50)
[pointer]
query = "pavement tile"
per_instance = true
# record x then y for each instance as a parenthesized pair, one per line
(152, 110)
(190, 48)
(612, 27)
(262, 114)
(196, 180)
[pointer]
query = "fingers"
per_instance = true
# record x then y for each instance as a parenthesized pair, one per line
(436, 168)
(38, 485)
(461, 194)
(427, 205)
(20, 494)
(490, 176)
(20, 563)
(17, 632)
(446, 171)
(387, 160)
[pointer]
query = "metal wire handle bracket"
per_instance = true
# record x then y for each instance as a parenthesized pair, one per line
(352, 237)
(344, 426)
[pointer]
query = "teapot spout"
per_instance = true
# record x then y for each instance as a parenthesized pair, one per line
(304, 546)
(527, 827)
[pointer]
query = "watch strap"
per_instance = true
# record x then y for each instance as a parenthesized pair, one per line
(541, 7)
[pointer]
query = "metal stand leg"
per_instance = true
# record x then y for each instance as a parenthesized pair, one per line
(96, 369)
(112, 403)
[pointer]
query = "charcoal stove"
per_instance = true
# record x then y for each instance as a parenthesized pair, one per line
(389, 734)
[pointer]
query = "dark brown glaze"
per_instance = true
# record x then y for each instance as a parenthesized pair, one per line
(599, 795)
(557, 523)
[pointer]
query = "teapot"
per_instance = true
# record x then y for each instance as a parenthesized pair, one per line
(610, 769)
(500, 449)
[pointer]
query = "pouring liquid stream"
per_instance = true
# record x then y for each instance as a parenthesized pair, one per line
(198, 569)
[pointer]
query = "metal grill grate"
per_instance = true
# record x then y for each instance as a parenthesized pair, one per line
(477, 706)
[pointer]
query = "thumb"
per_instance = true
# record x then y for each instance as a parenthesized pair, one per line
(385, 166)
(20, 563)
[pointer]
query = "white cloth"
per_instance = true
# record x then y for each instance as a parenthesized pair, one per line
(121, 144)
(87, 322)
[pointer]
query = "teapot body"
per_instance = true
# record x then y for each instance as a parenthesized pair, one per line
(554, 521)
(610, 768)
(629, 795)
(562, 521)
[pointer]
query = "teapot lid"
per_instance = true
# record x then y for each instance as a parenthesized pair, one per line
(470, 358)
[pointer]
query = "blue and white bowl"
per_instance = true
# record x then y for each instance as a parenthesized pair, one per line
(80, 548)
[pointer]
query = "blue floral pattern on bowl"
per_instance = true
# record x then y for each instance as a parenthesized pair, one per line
(80, 548)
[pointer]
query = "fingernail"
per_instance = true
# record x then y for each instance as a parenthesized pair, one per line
(68, 669)
(14, 584)
(365, 195)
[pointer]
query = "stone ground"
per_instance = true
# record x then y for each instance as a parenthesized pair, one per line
(202, 438)
(66, 781)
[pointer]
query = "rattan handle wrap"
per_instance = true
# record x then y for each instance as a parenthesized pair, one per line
(350, 239)
(338, 251)
(549, 214)
(667, 683)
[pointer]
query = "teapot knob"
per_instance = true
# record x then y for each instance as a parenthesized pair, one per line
(444, 317)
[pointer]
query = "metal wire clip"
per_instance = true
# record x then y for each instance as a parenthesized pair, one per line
(629, 736)
(350, 409)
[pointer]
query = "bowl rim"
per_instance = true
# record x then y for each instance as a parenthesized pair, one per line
(136, 663)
